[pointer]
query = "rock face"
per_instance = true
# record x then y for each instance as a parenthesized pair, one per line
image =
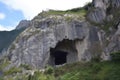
(103, 4)
(38, 45)
(59, 39)
(102, 10)
(98, 15)
(115, 41)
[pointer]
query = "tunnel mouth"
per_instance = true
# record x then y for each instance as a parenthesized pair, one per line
(60, 57)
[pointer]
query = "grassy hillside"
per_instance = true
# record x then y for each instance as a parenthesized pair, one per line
(107, 70)
(89, 71)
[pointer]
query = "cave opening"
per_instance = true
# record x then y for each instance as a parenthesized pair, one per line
(60, 57)
(64, 52)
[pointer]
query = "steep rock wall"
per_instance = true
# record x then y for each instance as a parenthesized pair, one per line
(33, 45)
(88, 41)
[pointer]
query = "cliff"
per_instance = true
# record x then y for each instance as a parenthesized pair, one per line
(58, 37)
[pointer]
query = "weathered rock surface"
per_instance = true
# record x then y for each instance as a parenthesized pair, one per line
(97, 15)
(103, 4)
(103, 10)
(114, 45)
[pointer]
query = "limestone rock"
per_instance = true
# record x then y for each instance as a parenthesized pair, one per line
(36, 44)
(97, 15)
(103, 4)
(114, 45)
(115, 3)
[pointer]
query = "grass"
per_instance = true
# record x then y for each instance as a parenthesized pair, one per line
(108, 70)
(76, 12)
(3, 63)
(13, 70)
(41, 76)
(94, 70)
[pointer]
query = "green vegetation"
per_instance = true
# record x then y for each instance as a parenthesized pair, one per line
(108, 70)
(75, 13)
(41, 76)
(78, 11)
(115, 56)
(49, 70)
(3, 63)
(12, 70)
(26, 67)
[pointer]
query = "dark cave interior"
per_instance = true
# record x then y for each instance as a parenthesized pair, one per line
(60, 57)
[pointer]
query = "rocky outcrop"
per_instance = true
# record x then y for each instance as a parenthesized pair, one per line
(23, 24)
(97, 15)
(34, 44)
(59, 39)
(103, 10)
(104, 4)
(114, 45)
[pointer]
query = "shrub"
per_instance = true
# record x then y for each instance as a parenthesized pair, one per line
(25, 66)
(1, 78)
(12, 70)
(115, 56)
(49, 70)
(96, 67)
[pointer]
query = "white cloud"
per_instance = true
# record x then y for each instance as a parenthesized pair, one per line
(2, 16)
(6, 28)
(31, 8)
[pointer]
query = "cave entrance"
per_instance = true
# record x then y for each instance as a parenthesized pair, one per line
(60, 57)
(64, 52)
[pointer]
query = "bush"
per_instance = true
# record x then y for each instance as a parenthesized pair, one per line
(25, 66)
(115, 56)
(12, 70)
(49, 70)
(96, 67)
(1, 78)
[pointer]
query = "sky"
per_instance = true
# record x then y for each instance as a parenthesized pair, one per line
(13, 11)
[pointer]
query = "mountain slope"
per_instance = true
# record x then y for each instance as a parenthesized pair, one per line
(7, 37)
